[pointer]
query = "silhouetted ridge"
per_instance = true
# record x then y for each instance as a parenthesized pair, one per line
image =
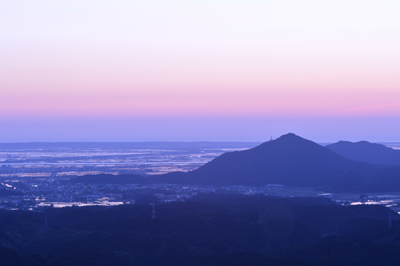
(291, 145)
(365, 151)
(289, 160)
(291, 137)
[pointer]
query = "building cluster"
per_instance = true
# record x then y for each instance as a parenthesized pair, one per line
(35, 193)
(31, 193)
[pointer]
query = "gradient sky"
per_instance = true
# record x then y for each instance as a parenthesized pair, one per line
(153, 70)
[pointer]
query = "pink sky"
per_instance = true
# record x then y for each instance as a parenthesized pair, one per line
(260, 59)
(218, 85)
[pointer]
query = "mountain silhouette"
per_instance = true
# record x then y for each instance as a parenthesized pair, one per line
(365, 151)
(293, 161)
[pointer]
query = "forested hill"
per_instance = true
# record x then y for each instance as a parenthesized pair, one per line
(365, 151)
(210, 229)
(294, 161)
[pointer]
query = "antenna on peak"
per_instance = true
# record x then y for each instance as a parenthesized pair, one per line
(153, 212)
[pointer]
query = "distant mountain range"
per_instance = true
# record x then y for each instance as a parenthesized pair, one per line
(365, 151)
(293, 161)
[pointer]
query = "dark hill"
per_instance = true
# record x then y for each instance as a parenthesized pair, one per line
(294, 161)
(208, 229)
(365, 151)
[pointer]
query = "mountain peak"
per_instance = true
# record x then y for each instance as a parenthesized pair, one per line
(365, 151)
(289, 160)
(289, 136)
(289, 141)
(293, 139)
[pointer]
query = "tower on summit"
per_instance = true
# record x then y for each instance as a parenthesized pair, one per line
(153, 212)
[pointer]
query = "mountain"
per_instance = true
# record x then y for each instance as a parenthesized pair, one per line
(365, 151)
(293, 161)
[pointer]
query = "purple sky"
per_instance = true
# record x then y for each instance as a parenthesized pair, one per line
(151, 70)
(195, 129)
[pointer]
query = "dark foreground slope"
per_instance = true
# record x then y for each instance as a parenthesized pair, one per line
(365, 151)
(210, 229)
(294, 161)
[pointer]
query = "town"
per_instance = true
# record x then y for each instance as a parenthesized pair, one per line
(37, 177)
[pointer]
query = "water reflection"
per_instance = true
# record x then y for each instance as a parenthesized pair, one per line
(79, 204)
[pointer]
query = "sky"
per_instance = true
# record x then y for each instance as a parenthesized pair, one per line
(93, 70)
